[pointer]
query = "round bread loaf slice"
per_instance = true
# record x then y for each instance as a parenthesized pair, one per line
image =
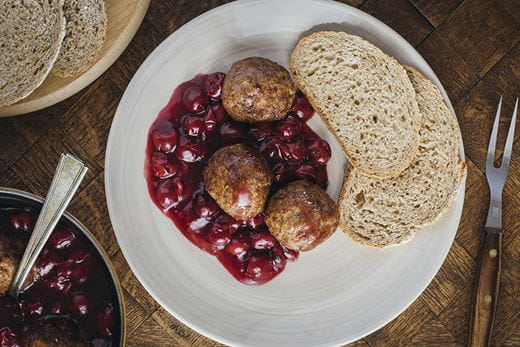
(364, 97)
(383, 212)
(86, 31)
(31, 33)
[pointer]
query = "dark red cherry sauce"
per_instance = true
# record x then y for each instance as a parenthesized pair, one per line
(71, 281)
(186, 133)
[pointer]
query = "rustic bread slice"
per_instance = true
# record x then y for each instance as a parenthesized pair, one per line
(383, 212)
(364, 97)
(86, 31)
(31, 33)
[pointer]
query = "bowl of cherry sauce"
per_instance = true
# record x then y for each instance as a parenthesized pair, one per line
(72, 296)
(187, 131)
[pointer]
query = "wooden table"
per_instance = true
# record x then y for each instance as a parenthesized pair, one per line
(473, 46)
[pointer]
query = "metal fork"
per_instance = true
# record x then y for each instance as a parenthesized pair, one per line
(488, 278)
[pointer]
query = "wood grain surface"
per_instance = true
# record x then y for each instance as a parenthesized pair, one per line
(473, 46)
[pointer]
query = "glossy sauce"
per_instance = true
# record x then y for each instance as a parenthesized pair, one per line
(68, 279)
(220, 235)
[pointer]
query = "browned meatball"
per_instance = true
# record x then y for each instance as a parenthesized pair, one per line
(301, 216)
(256, 90)
(238, 178)
(11, 251)
(55, 332)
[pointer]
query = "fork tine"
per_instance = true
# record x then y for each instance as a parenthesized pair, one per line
(510, 137)
(490, 160)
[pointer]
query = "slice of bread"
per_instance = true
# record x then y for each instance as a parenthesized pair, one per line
(364, 97)
(31, 33)
(86, 31)
(383, 212)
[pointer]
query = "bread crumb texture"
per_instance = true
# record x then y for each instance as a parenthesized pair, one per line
(383, 212)
(31, 33)
(365, 98)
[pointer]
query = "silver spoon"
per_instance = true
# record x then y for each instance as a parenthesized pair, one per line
(69, 174)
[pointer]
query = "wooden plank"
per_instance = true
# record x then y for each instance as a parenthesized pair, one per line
(455, 74)
(455, 274)
(436, 11)
(403, 329)
(37, 166)
(482, 32)
(402, 17)
(90, 207)
(88, 122)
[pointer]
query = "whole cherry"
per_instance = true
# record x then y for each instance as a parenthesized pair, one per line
(81, 271)
(21, 220)
(288, 128)
(232, 132)
(194, 99)
(213, 85)
(260, 131)
(226, 222)
(273, 149)
(106, 321)
(219, 237)
(61, 238)
(169, 192)
(162, 167)
(191, 152)
(262, 240)
(260, 267)
(279, 258)
(165, 139)
(205, 206)
(281, 172)
(79, 303)
(47, 262)
(303, 109)
(318, 150)
(305, 171)
(32, 307)
(294, 152)
(193, 125)
(218, 112)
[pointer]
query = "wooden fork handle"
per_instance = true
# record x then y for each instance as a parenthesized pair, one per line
(486, 293)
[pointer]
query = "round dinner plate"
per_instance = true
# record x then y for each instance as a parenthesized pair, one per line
(335, 294)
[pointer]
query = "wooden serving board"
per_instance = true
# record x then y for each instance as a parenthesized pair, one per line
(124, 18)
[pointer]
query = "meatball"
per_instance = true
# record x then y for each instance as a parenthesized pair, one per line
(301, 216)
(54, 332)
(256, 90)
(238, 179)
(11, 252)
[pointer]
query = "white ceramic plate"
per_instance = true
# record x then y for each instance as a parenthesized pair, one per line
(335, 294)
